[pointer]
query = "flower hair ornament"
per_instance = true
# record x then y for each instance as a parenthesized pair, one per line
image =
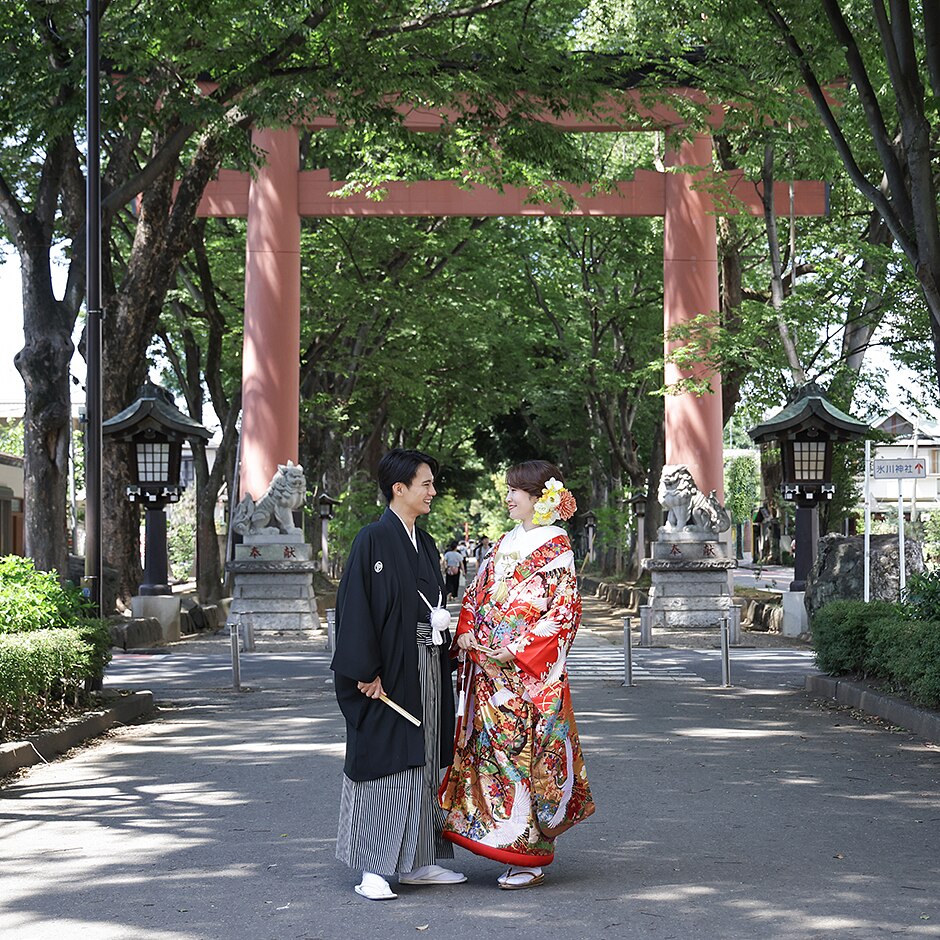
(555, 503)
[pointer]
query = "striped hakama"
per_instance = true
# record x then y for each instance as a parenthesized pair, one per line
(394, 824)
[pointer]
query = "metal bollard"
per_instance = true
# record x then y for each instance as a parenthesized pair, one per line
(248, 635)
(236, 663)
(331, 628)
(627, 653)
(725, 654)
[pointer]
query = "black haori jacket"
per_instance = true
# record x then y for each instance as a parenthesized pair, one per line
(377, 608)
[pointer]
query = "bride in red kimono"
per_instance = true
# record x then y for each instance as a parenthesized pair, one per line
(518, 778)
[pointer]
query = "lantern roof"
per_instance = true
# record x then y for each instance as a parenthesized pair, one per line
(153, 410)
(809, 408)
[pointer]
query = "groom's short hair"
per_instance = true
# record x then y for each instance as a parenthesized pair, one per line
(401, 466)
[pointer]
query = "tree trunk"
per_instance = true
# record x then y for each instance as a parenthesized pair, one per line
(797, 374)
(43, 362)
(209, 561)
(732, 279)
(161, 238)
(654, 511)
(208, 555)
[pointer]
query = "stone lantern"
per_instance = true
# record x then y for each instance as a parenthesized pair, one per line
(806, 430)
(638, 502)
(590, 527)
(325, 504)
(155, 429)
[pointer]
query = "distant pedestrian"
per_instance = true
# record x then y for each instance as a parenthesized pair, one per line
(518, 778)
(454, 563)
(390, 630)
(482, 550)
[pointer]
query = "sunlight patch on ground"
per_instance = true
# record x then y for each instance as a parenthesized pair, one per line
(267, 747)
(673, 892)
(192, 793)
(824, 923)
(719, 734)
(101, 930)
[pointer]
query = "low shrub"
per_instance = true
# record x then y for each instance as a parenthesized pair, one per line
(907, 653)
(45, 673)
(840, 634)
(35, 600)
(922, 595)
(883, 641)
(51, 652)
(889, 643)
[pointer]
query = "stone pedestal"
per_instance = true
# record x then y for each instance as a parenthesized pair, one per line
(689, 571)
(795, 620)
(272, 577)
(164, 608)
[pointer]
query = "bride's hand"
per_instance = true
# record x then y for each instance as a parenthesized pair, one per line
(505, 655)
(465, 641)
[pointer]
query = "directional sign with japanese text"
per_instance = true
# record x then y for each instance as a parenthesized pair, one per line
(899, 468)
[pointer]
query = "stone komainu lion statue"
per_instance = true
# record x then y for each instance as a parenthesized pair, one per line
(687, 507)
(285, 493)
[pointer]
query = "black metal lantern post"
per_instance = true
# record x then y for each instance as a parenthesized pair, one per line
(155, 428)
(806, 430)
(325, 504)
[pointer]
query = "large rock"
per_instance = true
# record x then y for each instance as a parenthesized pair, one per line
(839, 571)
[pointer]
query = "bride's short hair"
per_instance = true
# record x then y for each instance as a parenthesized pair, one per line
(531, 476)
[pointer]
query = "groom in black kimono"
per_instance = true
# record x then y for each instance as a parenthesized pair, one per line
(390, 818)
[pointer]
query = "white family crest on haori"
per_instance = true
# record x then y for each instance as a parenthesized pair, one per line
(687, 507)
(286, 492)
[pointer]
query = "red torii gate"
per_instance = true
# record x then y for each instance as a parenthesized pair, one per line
(280, 194)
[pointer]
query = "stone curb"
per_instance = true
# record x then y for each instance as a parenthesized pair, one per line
(890, 708)
(44, 747)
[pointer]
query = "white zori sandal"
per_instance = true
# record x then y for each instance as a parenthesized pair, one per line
(517, 878)
(375, 888)
(431, 875)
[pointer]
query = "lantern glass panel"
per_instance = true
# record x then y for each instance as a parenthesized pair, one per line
(809, 461)
(153, 461)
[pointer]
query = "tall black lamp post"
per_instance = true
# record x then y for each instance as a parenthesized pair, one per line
(155, 428)
(806, 429)
(91, 584)
(325, 504)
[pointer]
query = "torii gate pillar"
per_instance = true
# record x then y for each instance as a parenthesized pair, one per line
(270, 370)
(694, 423)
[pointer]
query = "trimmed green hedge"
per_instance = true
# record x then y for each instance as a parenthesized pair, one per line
(50, 651)
(840, 634)
(883, 641)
